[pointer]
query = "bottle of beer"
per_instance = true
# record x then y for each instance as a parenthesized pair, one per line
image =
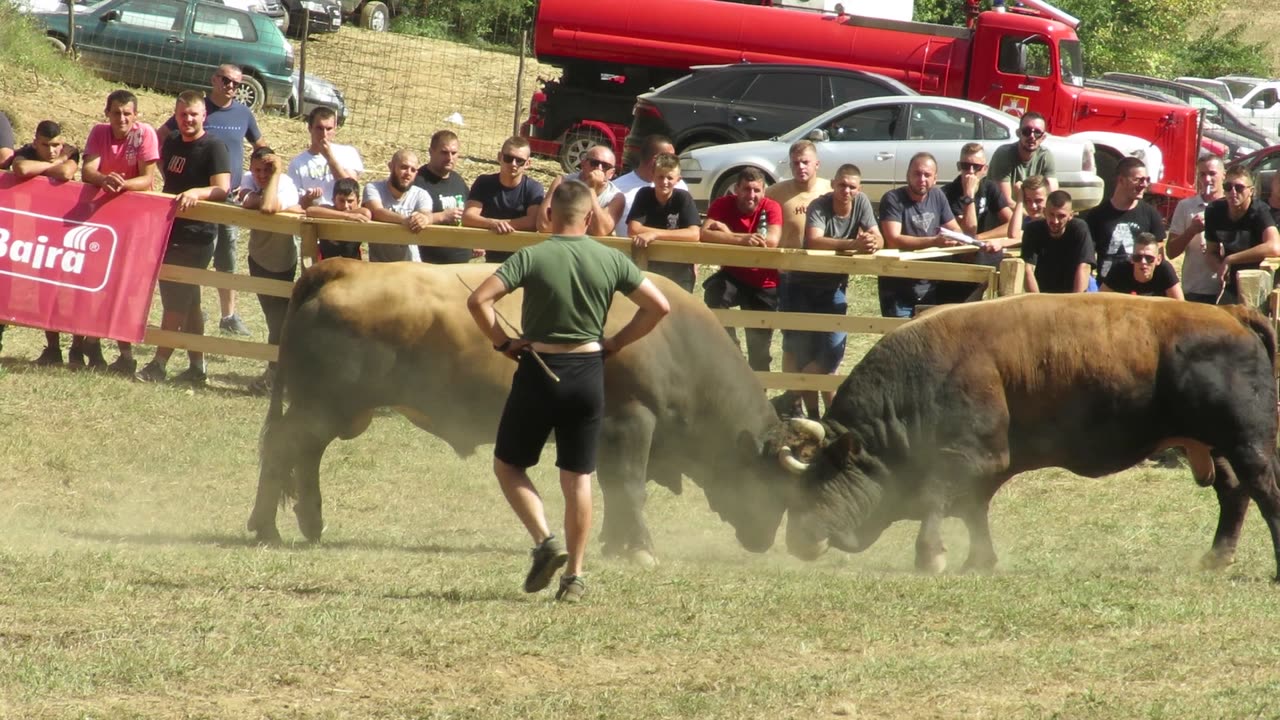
(762, 225)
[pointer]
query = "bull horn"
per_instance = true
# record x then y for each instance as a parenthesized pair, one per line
(805, 426)
(790, 462)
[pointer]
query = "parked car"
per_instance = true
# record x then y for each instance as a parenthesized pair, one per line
(175, 45)
(1264, 165)
(316, 92)
(1216, 88)
(1240, 85)
(1226, 132)
(372, 14)
(1226, 115)
(880, 135)
(271, 8)
(720, 104)
(326, 15)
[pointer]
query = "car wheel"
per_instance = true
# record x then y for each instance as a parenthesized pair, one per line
(375, 16)
(284, 28)
(250, 93)
(56, 44)
(577, 143)
(725, 184)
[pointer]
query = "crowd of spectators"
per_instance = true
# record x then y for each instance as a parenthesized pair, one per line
(1014, 200)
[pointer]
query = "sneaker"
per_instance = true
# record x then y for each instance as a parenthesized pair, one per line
(94, 357)
(572, 588)
(548, 558)
(193, 376)
(233, 325)
(50, 356)
(152, 372)
(75, 357)
(126, 366)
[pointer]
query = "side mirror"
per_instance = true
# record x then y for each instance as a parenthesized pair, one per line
(818, 135)
(1259, 105)
(109, 16)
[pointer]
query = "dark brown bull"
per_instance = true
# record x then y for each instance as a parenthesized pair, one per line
(363, 336)
(941, 412)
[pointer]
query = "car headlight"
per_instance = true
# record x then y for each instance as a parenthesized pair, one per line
(689, 164)
(324, 93)
(313, 6)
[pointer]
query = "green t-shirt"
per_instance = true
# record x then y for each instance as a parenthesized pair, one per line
(1006, 165)
(568, 284)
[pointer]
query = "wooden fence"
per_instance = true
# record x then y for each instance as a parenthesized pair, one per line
(887, 263)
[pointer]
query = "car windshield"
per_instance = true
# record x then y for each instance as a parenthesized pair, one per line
(1070, 64)
(1215, 89)
(1240, 88)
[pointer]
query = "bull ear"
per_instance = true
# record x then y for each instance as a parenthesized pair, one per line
(748, 443)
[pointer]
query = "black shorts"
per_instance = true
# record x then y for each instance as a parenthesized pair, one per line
(179, 297)
(573, 407)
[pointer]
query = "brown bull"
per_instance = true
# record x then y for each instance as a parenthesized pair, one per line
(361, 336)
(943, 411)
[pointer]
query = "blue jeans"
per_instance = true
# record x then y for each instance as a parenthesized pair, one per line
(825, 349)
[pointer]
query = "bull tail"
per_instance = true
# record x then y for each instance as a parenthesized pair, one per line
(1260, 325)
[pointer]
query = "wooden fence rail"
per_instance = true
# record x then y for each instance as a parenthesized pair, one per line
(888, 263)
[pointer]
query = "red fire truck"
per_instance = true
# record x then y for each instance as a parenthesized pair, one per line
(1028, 58)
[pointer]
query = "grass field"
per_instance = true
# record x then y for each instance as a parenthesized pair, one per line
(131, 589)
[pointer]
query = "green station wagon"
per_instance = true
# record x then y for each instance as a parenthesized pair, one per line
(175, 45)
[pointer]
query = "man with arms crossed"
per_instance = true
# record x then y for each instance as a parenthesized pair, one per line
(315, 170)
(232, 123)
(120, 155)
(841, 220)
(448, 191)
(195, 168)
(1200, 281)
(508, 200)
(569, 281)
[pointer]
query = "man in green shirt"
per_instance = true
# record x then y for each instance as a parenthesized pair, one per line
(568, 281)
(1017, 161)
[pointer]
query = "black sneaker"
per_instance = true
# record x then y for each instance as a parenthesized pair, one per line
(152, 372)
(93, 356)
(75, 357)
(126, 366)
(548, 558)
(50, 356)
(193, 376)
(572, 589)
(233, 325)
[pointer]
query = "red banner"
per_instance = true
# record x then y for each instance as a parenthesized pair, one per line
(79, 260)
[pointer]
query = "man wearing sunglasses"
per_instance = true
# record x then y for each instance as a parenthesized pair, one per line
(982, 211)
(1017, 161)
(230, 122)
(1145, 272)
(1239, 232)
(595, 170)
(1116, 221)
(508, 200)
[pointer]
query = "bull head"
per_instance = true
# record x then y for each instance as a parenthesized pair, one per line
(799, 435)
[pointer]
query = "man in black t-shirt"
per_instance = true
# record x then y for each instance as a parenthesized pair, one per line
(665, 212)
(448, 191)
(982, 211)
(196, 167)
(508, 200)
(1057, 250)
(1118, 220)
(1239, 232)
(1144, 273)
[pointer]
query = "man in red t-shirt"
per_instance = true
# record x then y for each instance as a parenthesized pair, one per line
(747, 218)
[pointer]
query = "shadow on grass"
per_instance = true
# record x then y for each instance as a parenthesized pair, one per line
(222, 540)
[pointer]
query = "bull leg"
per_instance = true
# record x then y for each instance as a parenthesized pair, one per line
(931, 553)
(625, 440)
(1233, 506)
(277, 458)
(307, 508)
(982, 552)
(1256, 471)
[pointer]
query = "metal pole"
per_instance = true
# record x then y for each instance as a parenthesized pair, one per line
(515, 117)
(302, 58)
(71, 28)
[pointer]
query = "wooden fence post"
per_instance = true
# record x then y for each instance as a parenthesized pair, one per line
(1012, 276)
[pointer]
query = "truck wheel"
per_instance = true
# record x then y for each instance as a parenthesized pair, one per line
(576, 143)
(56, 43)
(251, 93)
(375, 16)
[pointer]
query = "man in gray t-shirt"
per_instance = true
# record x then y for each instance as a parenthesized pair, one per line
(911, 217)
(841, 220)
(398, 200)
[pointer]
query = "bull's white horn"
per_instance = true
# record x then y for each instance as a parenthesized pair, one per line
(789, 461)
(809, 427)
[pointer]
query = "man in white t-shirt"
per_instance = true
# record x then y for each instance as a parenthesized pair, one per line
(596, 172)
(315, 170)
(628, 185)
(1200, 282)
(397, 200)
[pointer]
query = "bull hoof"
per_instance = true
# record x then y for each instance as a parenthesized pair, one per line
(1214, 560)
(612, 551)
(932, 564)
(311, 523)
(808, 552)
(644, 559)
(265, 533)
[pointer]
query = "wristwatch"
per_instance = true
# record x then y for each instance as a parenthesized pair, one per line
(966, 201)
(503, 347)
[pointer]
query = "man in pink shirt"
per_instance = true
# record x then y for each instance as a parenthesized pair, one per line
(745, 217)
(120, 155)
